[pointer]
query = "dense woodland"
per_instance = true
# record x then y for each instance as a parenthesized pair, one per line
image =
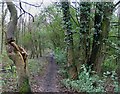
(72, 46)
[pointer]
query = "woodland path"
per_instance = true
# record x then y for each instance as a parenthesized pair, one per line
(49, 82)
(50, 77)
(44, 76)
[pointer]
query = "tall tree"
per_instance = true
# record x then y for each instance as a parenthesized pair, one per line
(84, 33)
(118, 59)
(17, 54)
(69, 40)
(102, 28)
(2, 25)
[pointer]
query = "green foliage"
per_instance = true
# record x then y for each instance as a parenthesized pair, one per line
(60, 56)
(55, 32)
(61, 59)
(26, 87)
(7, 64)
(110, 64)
(91, 83)
(8, 73)
(27, 39)
(48, 30)
(33, 66)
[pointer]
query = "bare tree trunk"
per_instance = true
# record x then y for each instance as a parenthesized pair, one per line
(18, 29)
(2, 25)
(17, 54)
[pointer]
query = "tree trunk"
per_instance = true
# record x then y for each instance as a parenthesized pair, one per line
(118, 59)
(69, 41)
(17, 54)
(2, 25)
(40, 46)
(102, 27)
(84, 44)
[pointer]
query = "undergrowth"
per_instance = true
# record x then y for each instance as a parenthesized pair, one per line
(93, 83)
(60, 56)
(36, 67)
(8, 73)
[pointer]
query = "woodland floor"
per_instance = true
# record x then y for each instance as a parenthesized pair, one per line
(44, 77)
(50, 81)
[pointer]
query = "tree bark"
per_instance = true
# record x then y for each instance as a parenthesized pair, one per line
(73, 74)
(40, 46)
(2, 25)
(118, 59)
(84, 33)
(96, 37)
(102, 28)
(17, 54)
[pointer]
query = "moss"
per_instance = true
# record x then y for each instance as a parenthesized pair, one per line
(25, 88)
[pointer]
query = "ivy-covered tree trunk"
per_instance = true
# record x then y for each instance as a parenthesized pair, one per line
(17, 54)
(73, 74)
(96, 36)
(84, 44)
(102, 28)
(118, 59)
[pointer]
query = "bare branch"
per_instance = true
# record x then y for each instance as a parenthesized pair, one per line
(18, 7)
(32, 4)
(117, 4)
(25, 11)
(21, 15)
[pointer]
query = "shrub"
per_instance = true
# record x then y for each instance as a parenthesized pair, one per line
(60, 56)
(92, 83)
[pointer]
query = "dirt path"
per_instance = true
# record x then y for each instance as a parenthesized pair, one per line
(49, 81)
(50, 78)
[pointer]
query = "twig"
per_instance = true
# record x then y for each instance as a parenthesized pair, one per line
(74, 20)
(117, 4)
(25, 11)
(114, 36)
(32, 4)
(20, 15)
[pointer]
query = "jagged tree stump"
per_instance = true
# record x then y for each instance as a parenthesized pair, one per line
(17, 54)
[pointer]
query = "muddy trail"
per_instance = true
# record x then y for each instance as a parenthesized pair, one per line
(50, 77)
(49, 81)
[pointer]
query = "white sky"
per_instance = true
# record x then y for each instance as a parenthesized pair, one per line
(28, 8)
(48, 2)
(34, 10)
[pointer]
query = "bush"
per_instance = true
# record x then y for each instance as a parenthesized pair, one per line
(92, 83)
(60, 56)
(110, 64)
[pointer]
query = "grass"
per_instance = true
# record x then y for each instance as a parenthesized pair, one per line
(8, 75)
(36, 66)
